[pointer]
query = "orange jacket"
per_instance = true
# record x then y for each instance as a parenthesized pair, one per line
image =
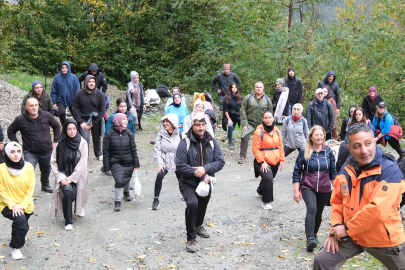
(369, 204)
(260, 145)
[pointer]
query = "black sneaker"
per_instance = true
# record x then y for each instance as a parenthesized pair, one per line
(311, 244)
(191, 246)
(202, 232)
(155, 204)
(47, 189)
(231, 146)
(316, 239)
(241, 161)
(127, 197)
(117, 206)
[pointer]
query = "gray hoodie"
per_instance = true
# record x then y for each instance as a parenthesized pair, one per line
(295, 135)
(166, 145)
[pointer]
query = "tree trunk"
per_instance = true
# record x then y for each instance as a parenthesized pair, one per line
(290, 13)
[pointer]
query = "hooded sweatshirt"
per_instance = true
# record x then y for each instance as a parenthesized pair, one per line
(166, 144)
(295, 86)
(64, 87)
(187, 119)
(44, 101)
(334, 88)
(101, 81)
(88, 102)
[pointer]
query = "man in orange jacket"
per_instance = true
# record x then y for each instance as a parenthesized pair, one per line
(365, 207)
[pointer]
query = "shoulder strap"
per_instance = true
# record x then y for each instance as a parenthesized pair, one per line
(288, 119)
(267, 98)
(304, 124)
(212, 145)
(262, 134)
(187, 143)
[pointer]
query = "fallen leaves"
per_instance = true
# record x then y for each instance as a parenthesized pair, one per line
(115, 229)
(141, 257)
(92, 259)
(41, 247)
(56, 245)
(39, 233)
(219, 231)
(282, 257)
(244, 243)
(211, 224)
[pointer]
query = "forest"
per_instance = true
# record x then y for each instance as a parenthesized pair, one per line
(185, 43)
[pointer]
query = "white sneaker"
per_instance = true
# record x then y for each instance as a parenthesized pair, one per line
(258, 195)
(69, 227)
(274, 179)
(16, 254)
(82, 214)
(267, 206)
(100, 158)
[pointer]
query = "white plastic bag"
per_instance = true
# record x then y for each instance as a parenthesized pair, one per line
(203, 189)
(137, 185)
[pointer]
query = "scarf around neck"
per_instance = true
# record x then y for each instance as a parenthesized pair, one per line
(295, 118)
(267, 128)
(117, 120)
(66, 151)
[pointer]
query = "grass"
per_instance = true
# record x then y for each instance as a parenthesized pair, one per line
(24, 81)
(363, 261)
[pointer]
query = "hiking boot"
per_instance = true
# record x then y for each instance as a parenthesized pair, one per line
(202, 232)
(241, 161)
(316, 239)
(230, 146)
(267, 206)
(16, 254)
(47, 188)
(117, 206)
(127, 197)
(191, 246)
(155, 204)
(311, 244)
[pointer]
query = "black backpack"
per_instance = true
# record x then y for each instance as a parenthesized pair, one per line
(396, 121)
(163, 91)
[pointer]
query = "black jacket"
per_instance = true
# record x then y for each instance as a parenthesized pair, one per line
(101, 81)
(334, 88)
(1, 134)
(323, 115)
(233, 110)
(88, 103)
(212, 160)
(35, 135)
(295, 86)
(119, 155)
(224, 81)
(369, 106)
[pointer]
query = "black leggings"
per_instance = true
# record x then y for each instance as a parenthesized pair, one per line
(139, 111)
(159, 179)
(315, 203)
(266, 184)
(69, 195)
(62, 112)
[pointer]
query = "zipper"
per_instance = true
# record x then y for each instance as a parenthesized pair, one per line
(121, 145)
(317, 183)
(202, 155)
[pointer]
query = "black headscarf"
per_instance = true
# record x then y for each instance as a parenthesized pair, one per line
(9, 163)
(66, 151)
(174, 104)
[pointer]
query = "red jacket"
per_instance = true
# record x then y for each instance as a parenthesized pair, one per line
(369, 204)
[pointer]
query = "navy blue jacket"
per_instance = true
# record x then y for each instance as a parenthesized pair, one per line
(64, 87)
(334, 88)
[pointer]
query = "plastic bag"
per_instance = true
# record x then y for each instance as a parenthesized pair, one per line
(203, 189)
(137, 185)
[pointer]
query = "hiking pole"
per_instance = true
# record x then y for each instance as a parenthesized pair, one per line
(45, 73)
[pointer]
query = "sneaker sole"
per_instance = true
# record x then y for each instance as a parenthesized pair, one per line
(191, 251)
(153, 208)
(203, 236)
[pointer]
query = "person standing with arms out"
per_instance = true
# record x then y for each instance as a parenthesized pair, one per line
(88, 111)
(198, 158)
(314, 174)
(101, 81)
(34, 127)
(267, 147)
(333, 86)
(365, 213)
(44, 99)
(320, 112)
(135, 98)
(64, 87)
(120, 157)
(220, 83)
(295, 87)
(165, 152)
(69, 165)
(370, 102)
(232, 103)
(17, 185)
(253, 107)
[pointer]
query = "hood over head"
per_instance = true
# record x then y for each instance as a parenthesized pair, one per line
(173, 118)
(133, 74)
(198, 101)
(117, 120)
(327, 76)
(68, 65)
(288, 76)
(281, 81)
(86, 81)
(93, 67)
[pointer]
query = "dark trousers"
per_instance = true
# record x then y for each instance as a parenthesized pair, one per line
(403, 201)
(19, 227)
(328, 135)
(139, 111)
(244, 143)
(44, 162)
(266, 184)
(395, 145)
(69, 194)
(315, 203)
(62, 112)
(195, 209)
(159, 179)
(95, 135)
(390, 257)
(288, 150)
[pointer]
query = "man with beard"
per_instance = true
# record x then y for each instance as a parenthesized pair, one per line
(223, 80)
(88, 110)
(44, 99)
(333, 86)
(295, 89)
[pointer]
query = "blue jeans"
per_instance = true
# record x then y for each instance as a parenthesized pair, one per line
(230, 132)
(290, 106)
(44, 161)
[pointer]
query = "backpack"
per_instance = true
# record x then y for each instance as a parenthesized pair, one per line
(303, 126)
(251, 95)
(396, 121)
(187, 139)
(261, 139)
(163, 91)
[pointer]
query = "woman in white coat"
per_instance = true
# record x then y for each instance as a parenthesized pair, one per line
(199, 106)
(165, 152)
(69, 165)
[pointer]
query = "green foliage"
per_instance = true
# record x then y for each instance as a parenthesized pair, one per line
(23, 80)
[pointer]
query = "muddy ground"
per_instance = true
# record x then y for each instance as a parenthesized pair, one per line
(243, 235)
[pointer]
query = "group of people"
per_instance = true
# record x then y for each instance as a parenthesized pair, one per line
(186, 145)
